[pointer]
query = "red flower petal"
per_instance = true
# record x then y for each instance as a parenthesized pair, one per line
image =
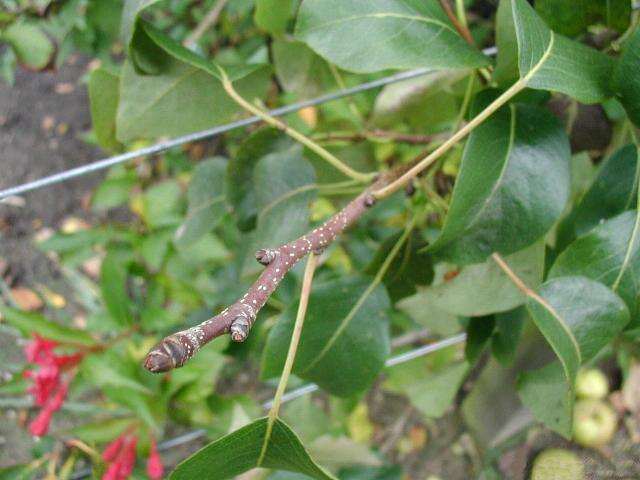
(111, 451)
(155, 469)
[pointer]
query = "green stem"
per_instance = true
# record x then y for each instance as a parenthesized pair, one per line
(460, 12)
(291, 354)
(455, 138)
(465, 101)
(301, 138)
(342, 86)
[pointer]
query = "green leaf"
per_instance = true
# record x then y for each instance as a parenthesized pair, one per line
(572, 18)
(408, 269)
(29, 323)
(626, 81)
(406, 101)
(432, 393)
(113, 192)
(206, 198)
(512, 186)
(383, 34)
(578, 317)
(548, 61)
(239, 452)
(185, 93)
(610, 254)
(546, 393)
(273, 15)
(130, 12)
(299, 69)
(240, 172)
(613, 191)
(113, 285)
(345, 340)
(492, 290)
(507, 333)
(161, 204)
(479, 332)
(285, 186)
(109, 369)
(31, 45)
(101, 430)
(104, 92)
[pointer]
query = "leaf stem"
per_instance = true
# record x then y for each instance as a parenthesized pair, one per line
(460, 24)
(291, 354)
(299, 137)
(511, 92)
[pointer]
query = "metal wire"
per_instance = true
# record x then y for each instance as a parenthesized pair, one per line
(211, 132)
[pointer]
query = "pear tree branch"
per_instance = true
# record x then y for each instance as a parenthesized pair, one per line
(237, 319)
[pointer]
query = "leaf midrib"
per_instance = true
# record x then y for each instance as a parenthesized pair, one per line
(343, 325)
(286, 196)
(381, 15)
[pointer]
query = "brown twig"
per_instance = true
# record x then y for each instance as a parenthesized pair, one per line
(462, 29)
(237, 319)
(206, 23)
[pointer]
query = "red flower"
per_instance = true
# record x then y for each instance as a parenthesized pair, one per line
(40, 350)
(128, 460)
(120, 456)
(49, 388)
(111, 452)
(40, 425)
(155, 469)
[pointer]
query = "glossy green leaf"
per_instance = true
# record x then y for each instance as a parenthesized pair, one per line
(610, 254)
(239, 452)
(627, 78)
(29, 323)
(206, 200)
(240, 172)
(506, 71)
(273, 15)
(345, 340)
(549, 61)
(31, 45)
(104, 93)
(184, 95)
(546, 393)
(578, 317)
(492, 289)
(285, 186)
(572, 18)
(383, 34)
(613, 191)
(512, 186)
(408, 269)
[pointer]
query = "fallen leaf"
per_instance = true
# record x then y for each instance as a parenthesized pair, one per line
(92, 266)
(73, 225)
(26, 299)
(64, 88)
(309, 115)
